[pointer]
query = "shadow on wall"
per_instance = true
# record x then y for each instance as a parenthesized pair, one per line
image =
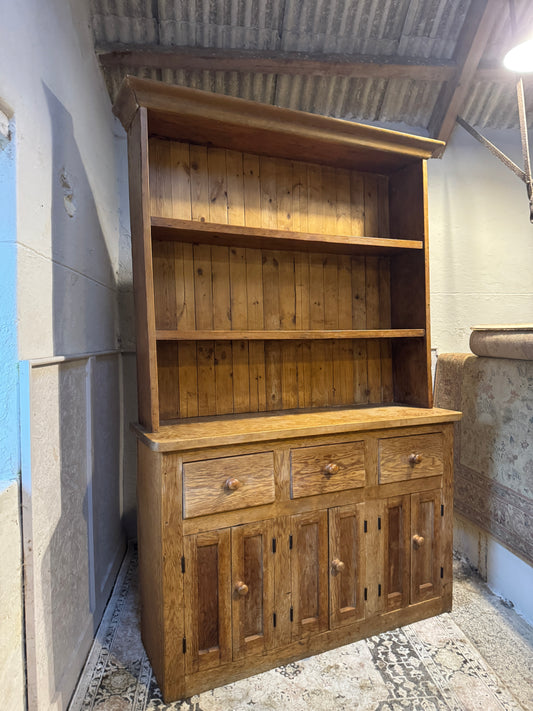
(76, 481)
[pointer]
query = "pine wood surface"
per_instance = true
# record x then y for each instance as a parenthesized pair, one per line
(402, 458)
(309, 468)
(238, 429)
(228, 122)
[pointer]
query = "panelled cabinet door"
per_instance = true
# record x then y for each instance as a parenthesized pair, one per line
(346, 564)
(309, 569)
(395, 532)
(426, 544)
(207, 600)
(252, 588)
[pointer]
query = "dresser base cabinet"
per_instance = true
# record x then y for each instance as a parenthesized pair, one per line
(256, 580)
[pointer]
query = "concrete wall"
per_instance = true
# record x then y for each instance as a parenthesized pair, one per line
(481, 252)
(68, 202)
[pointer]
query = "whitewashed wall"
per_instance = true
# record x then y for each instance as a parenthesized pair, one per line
(69, 201)
(481, 257)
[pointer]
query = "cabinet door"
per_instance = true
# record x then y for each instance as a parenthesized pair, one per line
(207, 600)
(395, 532)
(252, 588)
(426, 558)
(346, 564)
(309, 568)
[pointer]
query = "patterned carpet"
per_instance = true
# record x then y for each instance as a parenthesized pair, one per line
(428, 666)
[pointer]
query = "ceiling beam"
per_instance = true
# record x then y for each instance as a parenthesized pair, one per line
(478, 24)
(262, 62)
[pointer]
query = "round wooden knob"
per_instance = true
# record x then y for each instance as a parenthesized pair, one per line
(241, 588)
(331, 468)
(415, 458)
(232, 484)
(418, 540)
(337, 565)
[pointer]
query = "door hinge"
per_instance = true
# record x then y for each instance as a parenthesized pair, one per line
(442, 509)
(273, 545)
(379, 590)
(366, 593)
(291, 614)
(365, 527)
(290, 542)
(379, 523)
(182, 563)
(442, 572)
(184, 643)
(274, 619)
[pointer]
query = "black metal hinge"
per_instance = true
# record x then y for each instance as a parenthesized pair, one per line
(182, 563)
(379, 523)
(185, 645)
(290, 542)
(291, 615)
(442, 510)
(442, 572)
(379, 590)
(273, 545)
(365, 527)
(366, 593)
(274, 619)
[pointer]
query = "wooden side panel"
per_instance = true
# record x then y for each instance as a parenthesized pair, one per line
(160, 577)
(426, 545)
(346, 564)
(410, 287)
(396, 547)
(143, 281)
(207, 600)
(253, 588)
(309, 566)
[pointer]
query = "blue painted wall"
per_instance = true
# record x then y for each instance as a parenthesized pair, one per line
(9, 407)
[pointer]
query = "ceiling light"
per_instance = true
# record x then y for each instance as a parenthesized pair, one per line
(520, 58)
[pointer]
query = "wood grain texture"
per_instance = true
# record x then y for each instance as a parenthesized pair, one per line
(205, 487)
(309, 566)
(143, 281)
(347, 581)
(253, 565)
(325, 468)
(404, 458)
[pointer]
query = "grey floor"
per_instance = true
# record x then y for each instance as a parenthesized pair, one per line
(501, 636)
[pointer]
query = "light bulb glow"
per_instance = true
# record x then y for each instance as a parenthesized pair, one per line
(520, 58)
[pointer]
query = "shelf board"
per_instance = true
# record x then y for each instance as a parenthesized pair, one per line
(288, 335)
(268, 426)
(192, 231)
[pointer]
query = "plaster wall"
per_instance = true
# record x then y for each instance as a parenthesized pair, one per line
(481, 240)
(67, 207)
(481, 252)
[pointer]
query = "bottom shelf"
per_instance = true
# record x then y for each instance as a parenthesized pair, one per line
(257, 427)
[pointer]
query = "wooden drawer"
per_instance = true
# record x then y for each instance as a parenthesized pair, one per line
(227, 483)
(325, 468)
(410, 457)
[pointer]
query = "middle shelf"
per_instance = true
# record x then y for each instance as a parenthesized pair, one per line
(285, 335)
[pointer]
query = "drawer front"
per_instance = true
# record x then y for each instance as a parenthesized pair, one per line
(227, 483)
(325, 468)
(411, 457)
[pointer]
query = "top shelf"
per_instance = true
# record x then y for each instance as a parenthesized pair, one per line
(192, 231)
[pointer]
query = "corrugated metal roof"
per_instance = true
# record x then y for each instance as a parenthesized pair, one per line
(423, 29)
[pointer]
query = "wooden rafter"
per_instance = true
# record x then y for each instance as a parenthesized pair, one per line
(262, 62)
(478, 24)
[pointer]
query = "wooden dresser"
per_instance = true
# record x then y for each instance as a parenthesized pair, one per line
(294, 480)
